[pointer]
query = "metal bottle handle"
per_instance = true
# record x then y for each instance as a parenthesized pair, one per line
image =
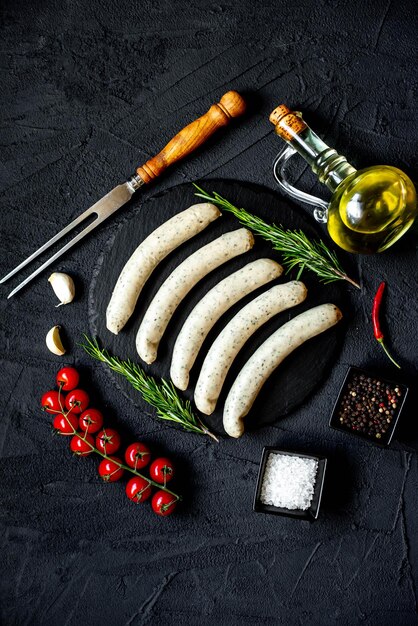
(321, 211)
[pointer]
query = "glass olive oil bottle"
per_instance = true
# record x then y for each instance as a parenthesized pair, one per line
(369, 209)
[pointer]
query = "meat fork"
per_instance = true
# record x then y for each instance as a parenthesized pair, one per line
(184, 143)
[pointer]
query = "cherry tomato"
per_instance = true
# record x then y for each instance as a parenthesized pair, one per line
(161, 470)
(108, 441)
(77, 401)
(65, 425)
(67, 378)
(137, 455)
(91, 421)
(138, 489)
(50, 402)
(79, 444)
(163, 503)
(110, 470)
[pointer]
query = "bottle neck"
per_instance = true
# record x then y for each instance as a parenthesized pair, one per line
(330, 167)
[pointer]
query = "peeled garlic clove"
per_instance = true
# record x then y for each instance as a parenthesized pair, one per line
(63, 286)
(53, 341)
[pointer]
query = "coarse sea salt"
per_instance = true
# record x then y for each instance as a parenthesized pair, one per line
(288, 481)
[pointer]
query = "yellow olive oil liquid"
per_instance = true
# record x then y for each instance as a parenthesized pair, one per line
(371, 209)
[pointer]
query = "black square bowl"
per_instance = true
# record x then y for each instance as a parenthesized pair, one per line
(386, 438)
(313, 511)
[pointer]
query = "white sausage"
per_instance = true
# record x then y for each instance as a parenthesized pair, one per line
(181, 281)
(149, 253)
(268, 357)
(210, 308)
(230, 341)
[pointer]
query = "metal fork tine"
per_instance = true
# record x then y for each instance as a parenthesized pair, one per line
(105, 207)
(50, 243)
(64, 249)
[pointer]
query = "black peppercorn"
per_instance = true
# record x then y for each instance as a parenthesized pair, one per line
(368, 406)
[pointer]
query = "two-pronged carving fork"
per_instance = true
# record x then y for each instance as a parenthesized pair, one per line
(186, 141)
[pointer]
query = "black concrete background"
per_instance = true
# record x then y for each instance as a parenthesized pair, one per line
(88, 91)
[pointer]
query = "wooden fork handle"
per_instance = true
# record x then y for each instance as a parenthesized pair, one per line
(194, 135)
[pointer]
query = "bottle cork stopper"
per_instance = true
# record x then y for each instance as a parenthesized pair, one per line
(287, 123)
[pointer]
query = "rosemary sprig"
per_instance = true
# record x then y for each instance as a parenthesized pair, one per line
(162, 395)
(296, 248)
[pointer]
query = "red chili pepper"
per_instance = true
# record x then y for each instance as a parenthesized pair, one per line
(376, 321)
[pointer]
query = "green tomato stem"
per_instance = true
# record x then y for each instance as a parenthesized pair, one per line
(105, 456)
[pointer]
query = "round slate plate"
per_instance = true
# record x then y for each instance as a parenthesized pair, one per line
(302, 371)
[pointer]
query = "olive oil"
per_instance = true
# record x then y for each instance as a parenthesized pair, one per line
(370, 209)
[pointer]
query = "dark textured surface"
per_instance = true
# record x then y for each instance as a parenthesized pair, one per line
(305, 368)
(88, 91)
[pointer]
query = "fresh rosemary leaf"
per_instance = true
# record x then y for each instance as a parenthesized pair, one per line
(162, 395)
(296, 248)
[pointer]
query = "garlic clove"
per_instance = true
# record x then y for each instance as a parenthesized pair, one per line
(53, 341)
(63, 286)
